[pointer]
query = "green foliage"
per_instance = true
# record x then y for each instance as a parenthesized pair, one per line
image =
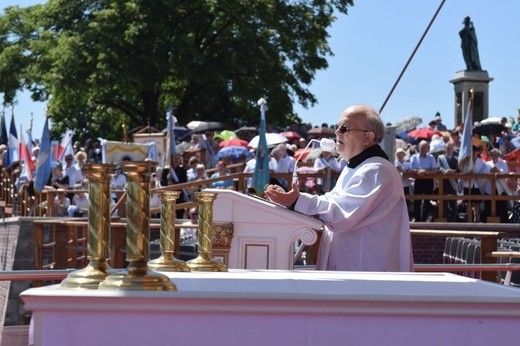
(100, 63)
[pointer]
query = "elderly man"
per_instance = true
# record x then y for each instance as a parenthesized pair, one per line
(365, 212)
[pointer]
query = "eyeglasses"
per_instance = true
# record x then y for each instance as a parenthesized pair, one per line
(342, 128)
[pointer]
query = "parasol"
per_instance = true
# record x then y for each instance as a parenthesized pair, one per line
(226, 134)
(272, 140)
(233, 142)
(424, 133)
(233, 152)
(290, 135)
(201, 126)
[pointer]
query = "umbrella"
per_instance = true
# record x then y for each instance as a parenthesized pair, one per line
(407, 124)
(322, 131)
(489, 126)
(290, 135)
(272, 139)
(200, 126)
(316, 153)
(233, 142)
(226, 134)
(424, 133)
(233, 152)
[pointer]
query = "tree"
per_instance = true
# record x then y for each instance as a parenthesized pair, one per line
(100, 63)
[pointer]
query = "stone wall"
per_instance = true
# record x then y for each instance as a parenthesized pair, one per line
(17, 251)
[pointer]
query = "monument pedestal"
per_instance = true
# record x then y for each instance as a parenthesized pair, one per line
(464, 82)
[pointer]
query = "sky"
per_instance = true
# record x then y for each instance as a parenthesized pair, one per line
(371, 46)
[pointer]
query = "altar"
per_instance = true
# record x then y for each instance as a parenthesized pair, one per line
(278, 307)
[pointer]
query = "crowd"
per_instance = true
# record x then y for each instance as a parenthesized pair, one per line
(440, 154)
(426, 156)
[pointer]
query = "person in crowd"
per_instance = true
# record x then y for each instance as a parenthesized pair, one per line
(507, 146)
(81, 159)
(281, 163)
(191, 173)
(455, 139)
(222, 171)
(74, 175)
(118, 182)
(177, 174)
(476, 187)
(61, 203)
(200, 174)
(250, 168)
(403, 166)
(448, 164)
(211, 146)
(440, 126)
(499, 166)
(80, 202)
(423, 164)
(58, 180)
(365, 213)
(326, 160)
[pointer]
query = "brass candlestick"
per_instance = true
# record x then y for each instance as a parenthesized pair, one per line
(203, 262)
(137, 276)
(98, 229)
(167, 262)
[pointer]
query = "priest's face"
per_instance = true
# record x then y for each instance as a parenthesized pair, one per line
(352, 134)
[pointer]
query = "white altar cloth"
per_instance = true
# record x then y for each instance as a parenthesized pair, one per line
(244, 307)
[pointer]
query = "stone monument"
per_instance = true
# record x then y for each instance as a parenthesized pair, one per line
(472, 78)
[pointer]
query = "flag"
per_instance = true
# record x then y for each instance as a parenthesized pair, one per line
(66, 145)
(261, 173)
(43, 163)
(13, 154)
(30, 142)
(3, 131)
(466, 147)
(170, 138)
(25, 156)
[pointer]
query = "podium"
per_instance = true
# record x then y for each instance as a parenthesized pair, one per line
(264, 233)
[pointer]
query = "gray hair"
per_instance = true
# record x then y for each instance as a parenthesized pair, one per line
(372, 119)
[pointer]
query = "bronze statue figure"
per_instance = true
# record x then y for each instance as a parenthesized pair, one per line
(469, 46)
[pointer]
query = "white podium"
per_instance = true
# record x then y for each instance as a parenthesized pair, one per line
(258, 308)
(264, 233)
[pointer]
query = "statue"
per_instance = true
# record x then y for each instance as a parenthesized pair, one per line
(469, 46)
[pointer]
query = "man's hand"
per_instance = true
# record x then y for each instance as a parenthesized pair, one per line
(278, 195)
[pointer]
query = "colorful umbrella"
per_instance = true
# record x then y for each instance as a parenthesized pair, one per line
(290, 135)
(235, 153)
(424, 133)
(226, 134)
(233, 142)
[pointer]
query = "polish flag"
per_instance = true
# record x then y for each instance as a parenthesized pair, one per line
(25, 156)
(66, 145)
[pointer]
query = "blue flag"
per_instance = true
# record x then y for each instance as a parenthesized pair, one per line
(261, 173)
(466, 146)
(13, 154)
(43, 164)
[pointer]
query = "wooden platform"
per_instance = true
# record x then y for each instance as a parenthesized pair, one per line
(15, 336)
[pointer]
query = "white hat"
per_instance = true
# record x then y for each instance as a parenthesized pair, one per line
(400, 150)
(437, 146)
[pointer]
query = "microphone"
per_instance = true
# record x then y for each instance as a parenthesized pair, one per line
(325, 144)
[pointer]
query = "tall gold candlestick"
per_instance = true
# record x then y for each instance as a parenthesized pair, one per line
(167, 261)
(98, 229)
(137, 276)
(203, 262)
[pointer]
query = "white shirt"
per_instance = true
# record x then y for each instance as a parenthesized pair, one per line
(321, 162)
(501, 165)
(366, 218)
